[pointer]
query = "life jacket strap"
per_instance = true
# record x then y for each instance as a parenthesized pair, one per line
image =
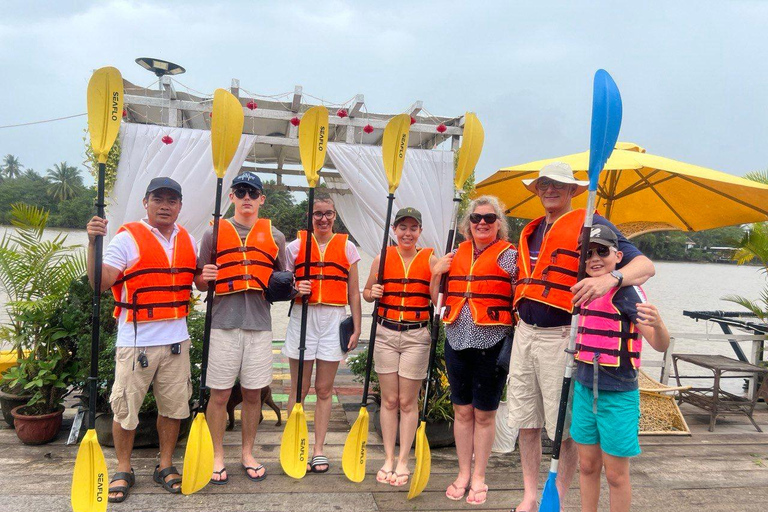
(474, 295)
(601, 314)
(407, 280)
(405, 294)
(246, 262)
(566, 252)
(247, 248)
(609, 333)
(622, 352)
(321, 277)
(545, 284)
(323, 264)
(230, 281)
(559, 270)
(480, 278)
(155, 270)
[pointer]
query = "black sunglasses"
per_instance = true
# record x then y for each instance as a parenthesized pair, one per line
(489, 218)
(601, 251)
(253, 193)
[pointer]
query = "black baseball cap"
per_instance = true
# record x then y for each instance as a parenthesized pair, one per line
(404, 213)
(248, 178)
(603, 235)
(163, 182)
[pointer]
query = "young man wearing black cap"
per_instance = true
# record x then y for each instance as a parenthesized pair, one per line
(249, 249)
(150, 266)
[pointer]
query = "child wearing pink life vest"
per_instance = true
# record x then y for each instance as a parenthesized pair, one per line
(606, 400)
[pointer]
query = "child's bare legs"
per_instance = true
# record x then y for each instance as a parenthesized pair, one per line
(617, 474)
(590, 468)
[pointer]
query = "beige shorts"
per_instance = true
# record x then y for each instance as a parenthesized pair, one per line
(403, 352)
(237, 353)
(168, 373)
(535, 379)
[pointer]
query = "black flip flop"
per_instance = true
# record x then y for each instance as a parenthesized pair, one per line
(122, 475)
(220, 481)
(319, 460)
(159, 478)
(256, 470)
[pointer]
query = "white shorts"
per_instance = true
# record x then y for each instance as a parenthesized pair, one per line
(238, 353)
(322, 333)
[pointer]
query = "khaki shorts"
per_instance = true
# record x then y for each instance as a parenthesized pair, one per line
(403, 352)
(535, 379)
(237, 353)
(169, 375)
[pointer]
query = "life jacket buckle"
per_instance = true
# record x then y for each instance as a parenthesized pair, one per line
(174, 270)
(242, 248)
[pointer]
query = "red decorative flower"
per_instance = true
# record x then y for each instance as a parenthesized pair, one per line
(252, 105)
(413, 120)
(368, 128)
(167, 139)
(441, 128)
(342, 112)
(125, 113)
(210, 114)
(295, 121)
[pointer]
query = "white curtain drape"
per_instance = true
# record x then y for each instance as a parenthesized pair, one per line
(426, 184)
(187, 160)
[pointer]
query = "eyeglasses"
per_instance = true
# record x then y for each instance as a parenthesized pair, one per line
(544, 183)
(601, 251)
(489, 218)
(252, 192)
(329, 214)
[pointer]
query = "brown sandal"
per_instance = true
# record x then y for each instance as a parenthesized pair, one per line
(455, 498)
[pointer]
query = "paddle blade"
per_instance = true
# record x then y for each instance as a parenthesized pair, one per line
(313, 142)
(198, 457)
(105, 110)
(90, 480)
(421, 471)
(226, 129)
(394, 144)
(606, 122)
(293, 446)
(354, 455)
(550, 499)
(470, 149)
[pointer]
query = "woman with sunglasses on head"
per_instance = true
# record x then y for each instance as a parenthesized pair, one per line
(331, 284)
(401, 352)
(478, 319)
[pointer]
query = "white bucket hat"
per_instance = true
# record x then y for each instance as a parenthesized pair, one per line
(557, 171)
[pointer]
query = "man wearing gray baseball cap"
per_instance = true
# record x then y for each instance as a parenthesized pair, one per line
(545, 296)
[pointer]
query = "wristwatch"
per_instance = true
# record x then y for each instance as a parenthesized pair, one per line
(619, 276)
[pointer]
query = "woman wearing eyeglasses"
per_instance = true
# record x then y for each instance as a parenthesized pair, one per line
(477, 318)
(332, 284)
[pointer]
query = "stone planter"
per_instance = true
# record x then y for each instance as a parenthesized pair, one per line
(439, 432)
(146, 432)
(8, 402)
(37, 429)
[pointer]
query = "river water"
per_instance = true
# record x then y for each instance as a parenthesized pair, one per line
(676, 287)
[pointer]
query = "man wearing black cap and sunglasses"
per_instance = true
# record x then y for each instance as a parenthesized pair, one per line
(249, 249)
(150, 266)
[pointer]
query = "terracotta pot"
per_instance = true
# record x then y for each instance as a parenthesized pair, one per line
(37, 429)
(9, 401)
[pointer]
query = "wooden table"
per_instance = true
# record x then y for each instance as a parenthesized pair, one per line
(714, 399)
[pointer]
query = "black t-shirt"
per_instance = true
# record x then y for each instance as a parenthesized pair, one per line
(624, 376)
(543, 315)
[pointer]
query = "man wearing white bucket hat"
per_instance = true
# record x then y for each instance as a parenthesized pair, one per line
(545, 295)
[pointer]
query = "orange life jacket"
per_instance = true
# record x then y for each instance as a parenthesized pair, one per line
(556, 268)
(245, 265)
(154, 288)
(406, 290)
(328, 270)
(481, 281)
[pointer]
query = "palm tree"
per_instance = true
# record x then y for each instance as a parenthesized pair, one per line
(11, 167)
(64, 180)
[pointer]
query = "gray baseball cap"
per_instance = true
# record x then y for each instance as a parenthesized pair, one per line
(163, 182)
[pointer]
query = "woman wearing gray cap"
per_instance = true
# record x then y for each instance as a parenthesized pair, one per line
(401, 350)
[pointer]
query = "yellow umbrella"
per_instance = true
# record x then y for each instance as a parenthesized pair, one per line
(640, 189)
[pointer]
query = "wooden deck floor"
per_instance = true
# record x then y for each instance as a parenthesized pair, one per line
(724, 470)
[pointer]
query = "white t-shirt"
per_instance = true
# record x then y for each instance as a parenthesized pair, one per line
(122, 253)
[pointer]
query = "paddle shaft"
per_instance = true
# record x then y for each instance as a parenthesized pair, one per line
(96, 311)
(565, 391)
(305, 299)
(436, 316)
(375, 317)
(210, 295)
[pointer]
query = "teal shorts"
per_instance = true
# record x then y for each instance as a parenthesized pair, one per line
(615, 426)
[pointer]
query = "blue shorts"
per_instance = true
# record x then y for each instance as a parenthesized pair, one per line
(616, 425)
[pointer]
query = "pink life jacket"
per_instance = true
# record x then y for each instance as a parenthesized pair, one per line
(603, 338)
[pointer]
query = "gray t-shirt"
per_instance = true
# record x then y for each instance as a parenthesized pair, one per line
(246, 310)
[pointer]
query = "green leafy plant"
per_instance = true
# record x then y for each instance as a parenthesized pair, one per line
(92, 163)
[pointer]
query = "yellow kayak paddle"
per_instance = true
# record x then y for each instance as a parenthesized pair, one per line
(226, 131)
(393, 148)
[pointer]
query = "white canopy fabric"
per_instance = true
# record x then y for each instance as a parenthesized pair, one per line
(187, 160)
(426, 184)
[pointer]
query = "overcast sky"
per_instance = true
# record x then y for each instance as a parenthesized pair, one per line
(692, 74)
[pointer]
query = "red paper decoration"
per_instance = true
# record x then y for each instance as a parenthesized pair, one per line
(252, 105)
(295, 121)
(441, 128)
(342, 112)
(167, 139)
(210, 114)
(125, 113)
(413, 120)
(368, 128)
